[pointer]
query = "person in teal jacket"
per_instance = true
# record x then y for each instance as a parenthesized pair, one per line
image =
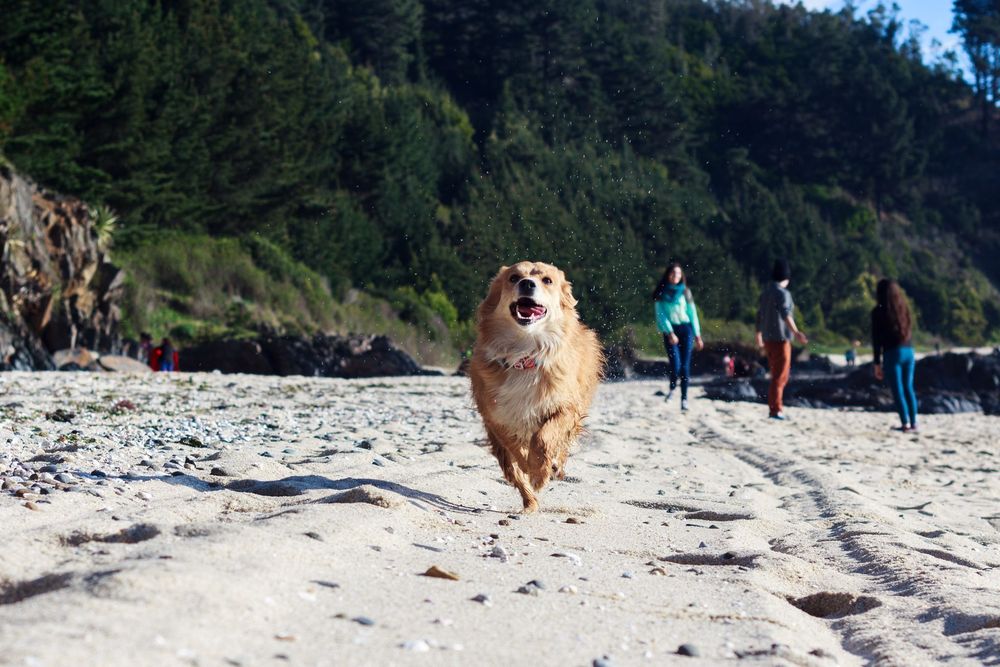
(677, 320)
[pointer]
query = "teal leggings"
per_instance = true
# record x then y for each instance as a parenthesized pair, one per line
(898, 369)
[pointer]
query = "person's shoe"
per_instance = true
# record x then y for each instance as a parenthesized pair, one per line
(901, 429)
(779, 417)
(684, 404)
(914, 428)
(670, 394)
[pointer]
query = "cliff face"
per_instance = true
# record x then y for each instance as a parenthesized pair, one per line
(58, 288)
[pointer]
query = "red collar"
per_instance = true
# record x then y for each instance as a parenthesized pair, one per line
(522, 364)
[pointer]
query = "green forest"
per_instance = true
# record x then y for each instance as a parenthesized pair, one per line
(408, 148)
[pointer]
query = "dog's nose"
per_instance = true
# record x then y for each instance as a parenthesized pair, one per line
(526, 287)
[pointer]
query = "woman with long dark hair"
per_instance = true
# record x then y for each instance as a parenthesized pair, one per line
(677, 320)
(892, 333)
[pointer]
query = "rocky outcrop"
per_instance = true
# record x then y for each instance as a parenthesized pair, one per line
(58, 288)
(945, 384)
(321, 355)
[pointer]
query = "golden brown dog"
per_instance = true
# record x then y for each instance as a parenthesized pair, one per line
(534, 372)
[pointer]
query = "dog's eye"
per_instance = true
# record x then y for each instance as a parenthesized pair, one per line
(547, 281)
(514, 278)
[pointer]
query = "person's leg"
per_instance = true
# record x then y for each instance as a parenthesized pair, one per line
(674, 357)
(909, 364)
(784, 354)
(893, 370)
(685, 337)
(778, 361)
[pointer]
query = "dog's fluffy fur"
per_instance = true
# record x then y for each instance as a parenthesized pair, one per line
(534, 372)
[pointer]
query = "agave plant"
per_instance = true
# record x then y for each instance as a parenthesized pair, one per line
(105, 221)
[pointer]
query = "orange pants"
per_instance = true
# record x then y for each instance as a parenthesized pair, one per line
(779, 358)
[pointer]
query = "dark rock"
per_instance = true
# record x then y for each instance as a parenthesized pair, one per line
(324, 356)
(948, 403)
(945, 384)
(729, 389)
(688, 650)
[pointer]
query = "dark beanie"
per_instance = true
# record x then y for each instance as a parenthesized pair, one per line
(781, 270)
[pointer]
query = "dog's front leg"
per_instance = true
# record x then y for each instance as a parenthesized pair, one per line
(550, 446)
(506, 455)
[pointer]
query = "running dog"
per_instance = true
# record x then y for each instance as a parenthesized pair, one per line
(534, 371)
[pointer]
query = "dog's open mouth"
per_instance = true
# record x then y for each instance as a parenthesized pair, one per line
(526, 311)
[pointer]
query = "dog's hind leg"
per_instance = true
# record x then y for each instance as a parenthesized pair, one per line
(512, 472)
(550, 446)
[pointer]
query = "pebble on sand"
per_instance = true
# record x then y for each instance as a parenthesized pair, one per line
(689, 650)
(438, 573)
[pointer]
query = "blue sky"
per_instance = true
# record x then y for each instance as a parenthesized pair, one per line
(935, 14)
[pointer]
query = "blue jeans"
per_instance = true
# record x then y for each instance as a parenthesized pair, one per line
(680, 356)
(898, 369)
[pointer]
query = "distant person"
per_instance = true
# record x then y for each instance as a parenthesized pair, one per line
(775, 329)
(728, 366)
(145, 347)
(165, 356)
(892, 331)
(850, 356)
(677, 320)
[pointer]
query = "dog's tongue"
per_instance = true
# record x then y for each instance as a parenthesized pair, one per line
(530, 311)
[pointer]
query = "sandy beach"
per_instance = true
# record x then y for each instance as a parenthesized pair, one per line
(195, 519)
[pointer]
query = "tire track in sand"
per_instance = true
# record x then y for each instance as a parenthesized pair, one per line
(923, 591)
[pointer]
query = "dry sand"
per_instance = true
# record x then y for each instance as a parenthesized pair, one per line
(237, 520)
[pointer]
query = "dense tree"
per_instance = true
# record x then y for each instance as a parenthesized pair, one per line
(420, 144)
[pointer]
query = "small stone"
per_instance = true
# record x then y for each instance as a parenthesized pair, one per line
(378, 462)
(219, 472)
(98, 473)
(702, 545)
(528, 590)
(500, 553)
(31, 506)
(66, 478)
(537, 584)
(503, 522)
(144, 495)
(626, 575)
(604, 661)
(658, 570)
(573, 519)
(363, 444)
(438, 573)
(661, 492)
(483, 599)
(573, 558)
(689, 650)
(416, 645)
(363, 620)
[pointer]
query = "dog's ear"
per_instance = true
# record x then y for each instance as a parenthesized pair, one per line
(489, 304)
(566, 298)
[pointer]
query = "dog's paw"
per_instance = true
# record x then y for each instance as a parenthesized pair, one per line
(530, 508)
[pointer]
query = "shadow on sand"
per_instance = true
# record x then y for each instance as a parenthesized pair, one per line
(297, 485)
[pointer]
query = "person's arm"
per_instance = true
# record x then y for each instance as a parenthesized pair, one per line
(758, 336)
(876, 348)
(662, 317)
(663, 321)
(787, 308)
(799, 336)
(692, 312)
